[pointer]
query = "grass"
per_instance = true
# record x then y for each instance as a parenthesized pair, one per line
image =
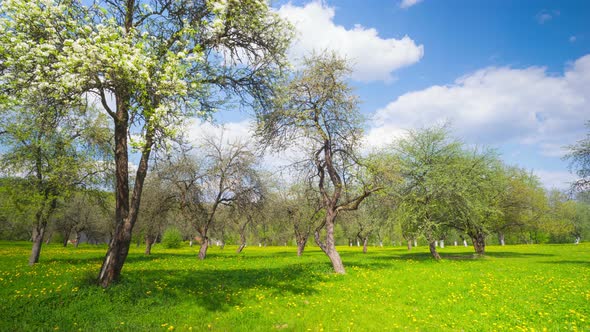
(520, 288)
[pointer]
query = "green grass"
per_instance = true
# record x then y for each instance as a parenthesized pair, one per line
(264, 289)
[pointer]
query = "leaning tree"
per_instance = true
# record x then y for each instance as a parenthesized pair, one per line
(149, 63)
(318, 112)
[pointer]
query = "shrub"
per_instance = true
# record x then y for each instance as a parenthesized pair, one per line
(172, 238)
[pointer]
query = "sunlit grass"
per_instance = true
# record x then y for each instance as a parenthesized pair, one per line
(517, 288)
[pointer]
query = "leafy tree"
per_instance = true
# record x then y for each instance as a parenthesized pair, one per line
(475, 194)
(426, 158)
(54, 149)
(157, 60)
(319, 112)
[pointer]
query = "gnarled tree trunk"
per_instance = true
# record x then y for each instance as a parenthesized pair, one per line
(479, 243)
(329, 248)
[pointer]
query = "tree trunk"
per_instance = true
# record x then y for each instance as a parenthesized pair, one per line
(38, 234)
(78, 237)
(365, 243)
(479, 243)
(149, 241)
(501, 238)
(203, 249)
(433, 251)
(442, 243)
(409, 244)
(329, 248)
(242, 242)
(66, 239)
(125, 211)
(301, 245)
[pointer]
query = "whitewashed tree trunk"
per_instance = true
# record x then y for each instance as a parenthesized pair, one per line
(577, 240)
(436, 243)
(455, 243)
(415, 243)
(465, 243)
(358, 243)
(442, 243)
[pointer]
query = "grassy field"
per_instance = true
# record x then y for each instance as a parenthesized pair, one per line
(521, 288)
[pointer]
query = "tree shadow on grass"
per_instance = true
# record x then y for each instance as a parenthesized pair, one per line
(510, 254)
(569, 262)
(215, 289)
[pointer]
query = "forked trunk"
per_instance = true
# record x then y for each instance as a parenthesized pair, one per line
(301, 242)
(432, 246)
(66, 239)
(203, 249)
(365, 243)
(125, 211)
(38, 234)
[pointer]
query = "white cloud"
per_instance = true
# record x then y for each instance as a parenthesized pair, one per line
(241, 131)
(546, 15)
(409, 3)
(560, 180)
(374, 58)
(498, 105)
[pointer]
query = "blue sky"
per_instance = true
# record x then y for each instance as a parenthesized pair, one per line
(513, 75)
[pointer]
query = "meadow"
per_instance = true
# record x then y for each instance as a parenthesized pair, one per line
(518, 288)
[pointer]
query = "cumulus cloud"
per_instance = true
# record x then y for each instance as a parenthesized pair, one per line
(409, 3)
(498, 105)
(374, 58)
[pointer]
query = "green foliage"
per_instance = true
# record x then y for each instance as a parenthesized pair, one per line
(172, 238)
(264, 289)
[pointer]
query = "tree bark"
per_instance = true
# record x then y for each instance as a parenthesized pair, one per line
(38, 234)
(125, 213)
(410, 244)
(365, 243)
(301, 242)
(203, 249)
(329, 248)
(433, 251)
(78, 237)
(479, 243)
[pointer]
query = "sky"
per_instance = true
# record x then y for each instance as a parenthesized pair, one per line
(510, 75)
